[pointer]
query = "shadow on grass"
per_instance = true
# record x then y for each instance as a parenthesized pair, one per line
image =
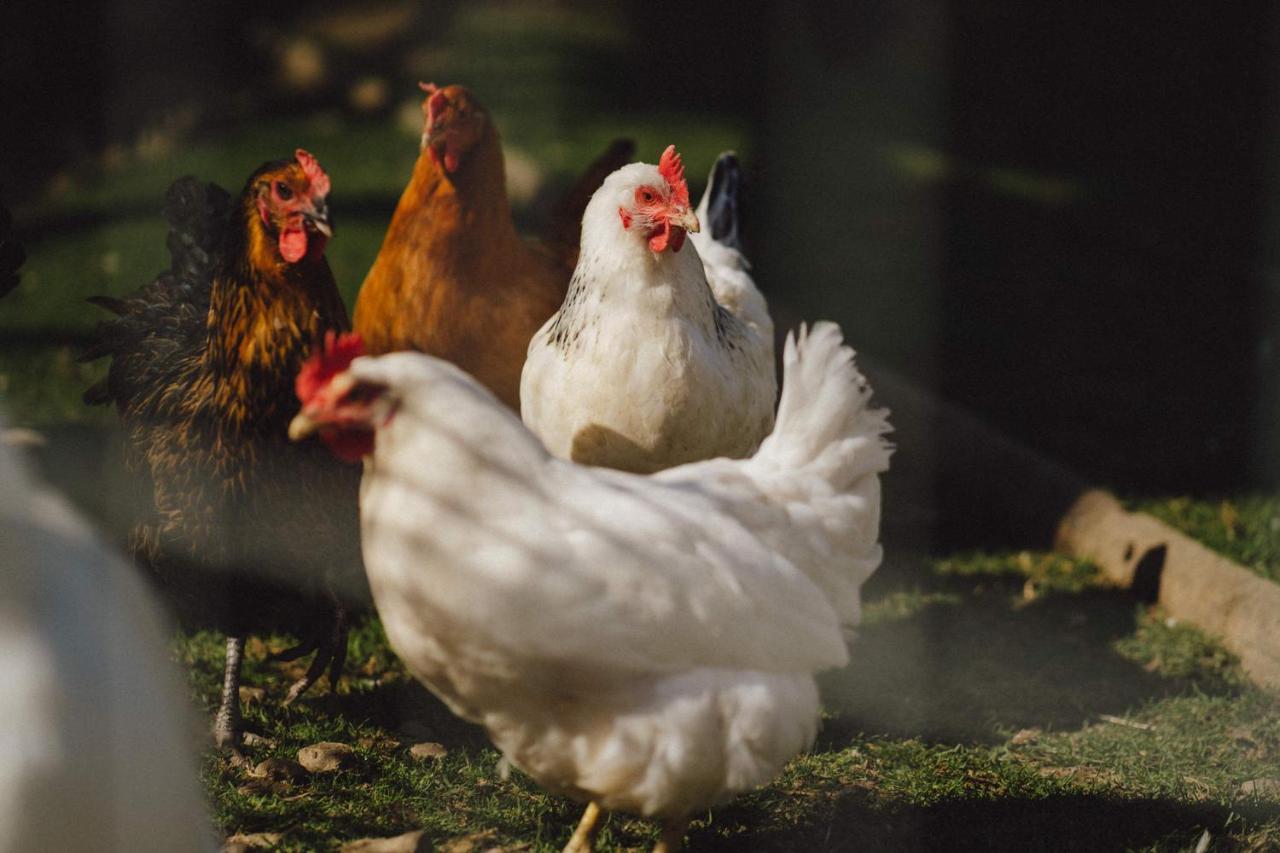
(970, 665)
(1086, 822)
(408, 709)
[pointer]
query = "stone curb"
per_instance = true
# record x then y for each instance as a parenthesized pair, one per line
(1191, 582)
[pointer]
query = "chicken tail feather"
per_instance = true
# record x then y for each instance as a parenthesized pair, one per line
(719, 210)
(824, 421)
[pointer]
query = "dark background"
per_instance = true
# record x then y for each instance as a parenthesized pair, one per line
(1050, 231)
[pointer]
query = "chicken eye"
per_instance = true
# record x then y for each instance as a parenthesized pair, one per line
(645, 196)
(283, 191)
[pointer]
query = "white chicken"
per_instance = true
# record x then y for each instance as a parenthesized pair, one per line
(96, 742)
(642, 643)
(654, 359)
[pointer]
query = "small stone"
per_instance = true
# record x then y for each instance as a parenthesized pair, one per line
(327, 757)
(264, 787)
(243, 841)
(428, 751)
(280, 769)
(410, 842)
(1268, 788)
(1024, 736)
(378, 743)
(255, 740)
(479, 842)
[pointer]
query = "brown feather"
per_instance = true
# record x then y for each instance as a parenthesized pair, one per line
(454, 279)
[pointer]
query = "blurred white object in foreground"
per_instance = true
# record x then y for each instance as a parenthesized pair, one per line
(94, 732)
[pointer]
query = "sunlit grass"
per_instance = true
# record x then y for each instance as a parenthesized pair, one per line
(1246, 529)
(1146, 758)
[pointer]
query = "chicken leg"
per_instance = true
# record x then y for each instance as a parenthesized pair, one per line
(227, 722)
(585, 835)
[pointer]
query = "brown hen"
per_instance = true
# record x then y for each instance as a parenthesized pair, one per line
(453, 277)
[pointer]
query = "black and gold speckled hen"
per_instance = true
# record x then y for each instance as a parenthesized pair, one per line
(242, 530)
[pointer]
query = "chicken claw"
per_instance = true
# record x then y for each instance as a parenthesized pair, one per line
(331, 654)
(585, 835)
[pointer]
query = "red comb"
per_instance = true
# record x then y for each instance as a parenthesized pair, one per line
(311, 168)
(327, 362)
(435, 103)
(672, 170)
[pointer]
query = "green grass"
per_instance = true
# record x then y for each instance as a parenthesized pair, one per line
(992, 698)
(1246, 529)
(994, 702)
(543, 71)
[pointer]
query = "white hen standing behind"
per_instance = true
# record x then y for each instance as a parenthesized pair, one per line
(643, 643)
(651, 362)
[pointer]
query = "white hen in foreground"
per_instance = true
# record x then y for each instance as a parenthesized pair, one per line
(96, 754)
(654, 359)
(644, 643)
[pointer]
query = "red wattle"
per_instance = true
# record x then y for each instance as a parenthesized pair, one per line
(349, 445)
(658, 240)
(293, 244)
(677, 238)
(668, 236)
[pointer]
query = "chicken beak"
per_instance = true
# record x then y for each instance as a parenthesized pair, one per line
(318, 218)
(312, 417)
(688, 220)
(302, 426)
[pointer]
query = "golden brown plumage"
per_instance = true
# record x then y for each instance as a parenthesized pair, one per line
(453, 278)
(248, 532)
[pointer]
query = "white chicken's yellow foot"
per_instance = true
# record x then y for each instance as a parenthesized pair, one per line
(584, 836)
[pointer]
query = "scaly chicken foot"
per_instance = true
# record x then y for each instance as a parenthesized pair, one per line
(584, 836)
(672, 838)
(331, 654)
(227, 723)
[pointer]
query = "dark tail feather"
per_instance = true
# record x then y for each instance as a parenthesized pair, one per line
(103, 337)
(97, 394)
(111, 303)
(724, 192)
(11, 254)
(565, 228)
(197, 214)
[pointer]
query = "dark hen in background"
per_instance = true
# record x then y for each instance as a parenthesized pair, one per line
(243, 531)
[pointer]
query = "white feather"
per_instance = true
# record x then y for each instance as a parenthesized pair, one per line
(635, 371)
(648, 642)
(94, 734)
